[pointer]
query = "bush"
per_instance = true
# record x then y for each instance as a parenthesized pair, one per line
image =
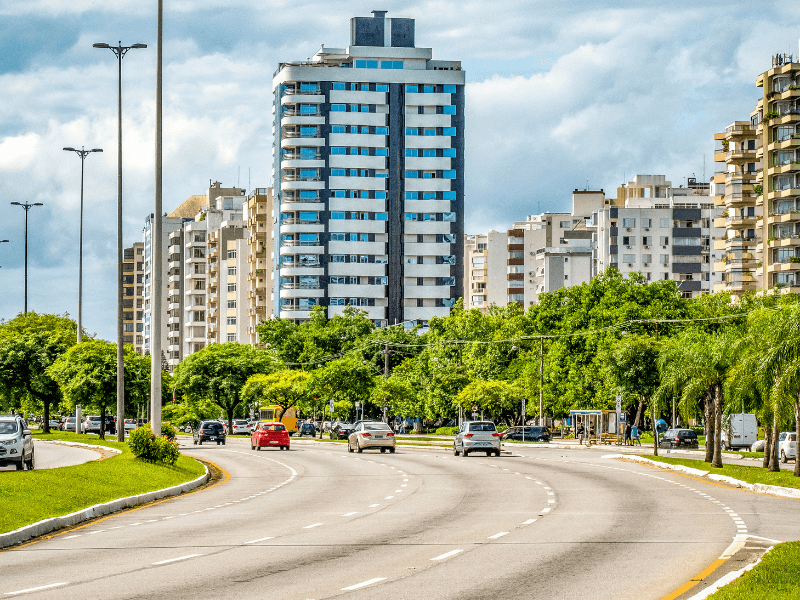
(168, 431)
(145, 445)
(446, 431)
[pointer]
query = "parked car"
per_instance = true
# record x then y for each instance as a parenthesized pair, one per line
(68, 424)
(306, 429)
(241, 426)
(740, 431)
(269, 435)
(678, 438)
(527, 434)
(477, 436)
(371, 434)
(93, 424)
(16, 443)
(55, 424)
(130, 425)
(209, 431)
(341, 431)
(787, 445)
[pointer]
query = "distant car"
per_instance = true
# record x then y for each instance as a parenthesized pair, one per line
(111, 424)
(241, 426)
(527, 434)
(307, 429)
(130, 425)
(341, 431)
(68, 424)
(371, 434)
(16, 443)
(678, 438)
(55, 424)
(477, 436)
(209, 431)
(270, 435)
(787, 445)
(93, 424)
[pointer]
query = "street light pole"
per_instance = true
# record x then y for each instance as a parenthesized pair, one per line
(83, 154)
(27, 206)
(119, 51)
(156, 284)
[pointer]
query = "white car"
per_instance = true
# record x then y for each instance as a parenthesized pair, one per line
(16, 443)
(130, 425)
(477, 436)
(787, 445)
(241, 426)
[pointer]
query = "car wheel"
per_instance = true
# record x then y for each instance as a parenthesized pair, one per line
(383, 450)
(497, 452)
(359, 449)
(464, 453)
(223, 443)
(30, 463)
(195, 442)
(349, 447)
(391, 450)
(783, 457)
(489, 453)
(200, 443)
(252, 447)
(20, 465)
(455, 450)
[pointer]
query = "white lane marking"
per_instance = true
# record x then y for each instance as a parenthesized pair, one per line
(373, 505)
(134, 524)
(544, 510)
(529, 522)
(151, 521)
(169, 560)
(403, 484)
(551, 501)
(447, 555)
(363, 584)
(165, 518)
(350, 514)
(69, 537)
(550, 493)
(93, 532)
(388, 497)
(398, 491)
(313, 525)
(121, 526)
(36, 589)
(498, 535)
(260, 540)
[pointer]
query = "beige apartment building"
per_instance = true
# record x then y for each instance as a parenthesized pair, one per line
(260, 265)
(132, 295)
(761, 171)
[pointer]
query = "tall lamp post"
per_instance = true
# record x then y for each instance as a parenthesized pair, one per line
(27, 206)
(83, 154)
(3, 241)
(119, 51)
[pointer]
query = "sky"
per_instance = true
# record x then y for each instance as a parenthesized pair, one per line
(559, 96)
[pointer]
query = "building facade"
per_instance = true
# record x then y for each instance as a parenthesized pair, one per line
(261, 257)
(369, 153)
(133, 295)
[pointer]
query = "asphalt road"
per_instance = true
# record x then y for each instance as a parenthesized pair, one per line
(319, 522)
(50, 455)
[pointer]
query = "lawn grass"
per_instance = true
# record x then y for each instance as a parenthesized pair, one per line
(741, 472)
(30, 496)
(776, 577)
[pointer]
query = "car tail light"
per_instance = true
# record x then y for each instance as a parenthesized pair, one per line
(389, 435)
(495, 435)
(468, 434)
(366, 435)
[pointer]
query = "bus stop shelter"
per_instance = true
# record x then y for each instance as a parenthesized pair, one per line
(596, 426)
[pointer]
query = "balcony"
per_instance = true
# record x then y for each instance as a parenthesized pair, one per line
(784, 217)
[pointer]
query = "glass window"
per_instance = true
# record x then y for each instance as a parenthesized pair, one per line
(337, 237)
(663, 240)
(451, 152)
(308, 216)
(629, 258)
(411, 131)
(429, 195)
(411, 216)
(411, 89)
(337, 129)
(449, 174)
(338, 108)
(449, 110)
(353, 151)
(428, 175)
(231, 253)
(411, 152)
(337, 258)
(428, 89)
(647, 222)
(449, 216)
(308, 237)
(231, 287)
(429, 131)
(665, 223)
(365, 108)
(337, 214)
(448, 131)
(449, 88)
(411, 174)
(337, 194)
(451, 195)
(337, 172)
(338, 85)
(231, 270)
(308, 173)
(381, 216)
(381, 131)
(338, 150)
(381, 152)
(365, 130)
(381, 87)
(380, 195)
(629, 222)
(308, 109)
(386, 64)
(411, 195)
(354, 108)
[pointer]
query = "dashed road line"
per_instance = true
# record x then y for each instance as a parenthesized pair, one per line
(447, 554)
(363, 584)
(36, 589)
(498, 535)
(272, 537)
(171, 560)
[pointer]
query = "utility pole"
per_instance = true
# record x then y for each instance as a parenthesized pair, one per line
(386, 360)
(26, 206)
(157, 284)
(541, 382)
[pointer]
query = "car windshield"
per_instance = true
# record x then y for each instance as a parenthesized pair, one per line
(481, 427)
(7, 427)
(376, 427)
(273, 428)
(671, 433)
(240, 422)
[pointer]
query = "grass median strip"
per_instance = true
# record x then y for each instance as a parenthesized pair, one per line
(777, 576)
(31, 496)
(743, 473)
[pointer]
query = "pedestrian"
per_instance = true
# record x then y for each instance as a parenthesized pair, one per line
(635, 435)
(628, 434)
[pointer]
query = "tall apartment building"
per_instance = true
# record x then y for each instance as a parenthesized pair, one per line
(260, 265)
(132, 295)
(661, 231)
(369, 153)
(761, 190)
(223, 282)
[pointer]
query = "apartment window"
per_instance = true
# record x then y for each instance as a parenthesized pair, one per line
(564, 224)
(199, 284)
(337, 258)
(665, 223)
(199, 315)
(339, 108)
(664, 259)
(628, 240)
(647, 258)
(629, 258)
(647, 223)
(231, 270)
(663, 240)
(337, 237)
(647, 240)
(629, 222)
(231, 287)
(686, 241)
(411, 131)
(231, 320)
(231, 303)
(231, 337)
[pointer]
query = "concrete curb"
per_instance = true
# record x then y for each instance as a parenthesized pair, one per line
(82, 445)
(759, 488)
(98, 510)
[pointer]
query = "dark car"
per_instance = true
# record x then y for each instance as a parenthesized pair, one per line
(678, 438)
(209, 431)
(341, 431)
(111, 424)
(307, 429)
(527, 434)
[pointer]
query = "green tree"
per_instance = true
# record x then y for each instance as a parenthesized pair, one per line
(494, 398)
(283, 388)
(345, 379)
(631, 365)
(87, 375)
(219, 371)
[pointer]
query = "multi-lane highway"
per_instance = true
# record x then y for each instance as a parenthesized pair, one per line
(319, 522)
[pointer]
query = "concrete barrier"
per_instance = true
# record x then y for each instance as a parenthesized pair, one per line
(98, 510)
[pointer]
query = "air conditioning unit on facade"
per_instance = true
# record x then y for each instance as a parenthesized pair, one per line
(646, 264)
(664, 247)
(647, 247)
(628, 229)
(630, 264)
(647, 229)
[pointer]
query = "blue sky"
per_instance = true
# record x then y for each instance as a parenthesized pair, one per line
(558, 95)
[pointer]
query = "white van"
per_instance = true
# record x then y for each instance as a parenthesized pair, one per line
(739, 431)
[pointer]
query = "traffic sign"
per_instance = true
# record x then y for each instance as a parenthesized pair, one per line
(331, 409)
(619, 403)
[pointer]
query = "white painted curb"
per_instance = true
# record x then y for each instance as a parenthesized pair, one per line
(82, 445)
(759, 488)
(98, 510)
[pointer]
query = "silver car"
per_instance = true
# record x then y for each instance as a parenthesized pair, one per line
(477, 436)
(16, 443)
(371, 434)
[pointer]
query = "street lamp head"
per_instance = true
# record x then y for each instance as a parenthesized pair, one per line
(1, 241)
(101, 45)
(70, 149)
(96, 150)
(17, 203)
(139, 46)
(38, 204)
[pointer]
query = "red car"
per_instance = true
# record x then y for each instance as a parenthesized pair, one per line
(269, 435)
